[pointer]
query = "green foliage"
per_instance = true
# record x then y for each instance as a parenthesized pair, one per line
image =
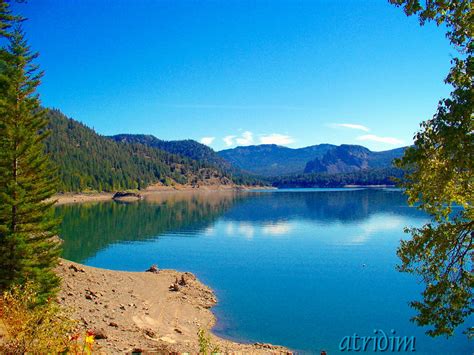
(204, 156)
(205, 343)
(271, 160)
(186, 148)
(89, 161)
(32, 328)
(7, 19)
(28, 250)
(440, 180)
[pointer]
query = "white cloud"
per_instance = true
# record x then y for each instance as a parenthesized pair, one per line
(275, 138)
(374, 138)
(228, 140)
(245, 139)
(207, 140)
(350, 126)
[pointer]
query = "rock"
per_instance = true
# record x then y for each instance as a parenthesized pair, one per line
(178, 331)
(113, 324)
(137, 351)
(264, 345)
(149, 332)
(99, 334)
(88, 297)
(182, 281)
(153, 269)
(76, 269)
(168, 340)
(174, 287)
(127, 196)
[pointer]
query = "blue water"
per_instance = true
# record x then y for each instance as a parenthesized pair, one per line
(299, 268)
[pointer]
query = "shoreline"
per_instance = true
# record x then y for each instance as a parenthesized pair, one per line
(138, 311)
(82, 197)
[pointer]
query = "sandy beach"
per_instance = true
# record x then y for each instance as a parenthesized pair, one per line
(137, 311)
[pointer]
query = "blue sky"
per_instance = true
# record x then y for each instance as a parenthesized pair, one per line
(229, 73)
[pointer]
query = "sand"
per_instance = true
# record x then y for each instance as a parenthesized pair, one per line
(138, 311)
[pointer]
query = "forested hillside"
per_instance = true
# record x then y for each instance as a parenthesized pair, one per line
(89, 161)
(187, 148)
(277, 162)
(382, 176)
(271, 159)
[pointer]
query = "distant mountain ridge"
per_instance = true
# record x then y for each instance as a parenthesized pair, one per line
(274, 160)
(89, 161)
(351, 158)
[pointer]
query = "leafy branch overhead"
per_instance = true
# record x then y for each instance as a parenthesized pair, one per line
(440, 180)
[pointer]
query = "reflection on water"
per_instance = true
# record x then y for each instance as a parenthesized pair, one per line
(88, 228)
(301, 268)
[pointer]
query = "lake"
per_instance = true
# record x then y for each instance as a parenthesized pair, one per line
(301, 268)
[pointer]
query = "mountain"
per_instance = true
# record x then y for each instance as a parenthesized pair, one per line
(273, 160)
(350, 158)
(193, 150)
(89, 161)
(187, 148)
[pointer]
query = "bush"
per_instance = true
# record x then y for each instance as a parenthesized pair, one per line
(31, 327)
(205, 344)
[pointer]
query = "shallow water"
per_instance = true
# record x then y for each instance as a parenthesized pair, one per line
(299, 268)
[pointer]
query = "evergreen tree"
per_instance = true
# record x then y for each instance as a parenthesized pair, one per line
(28, 247)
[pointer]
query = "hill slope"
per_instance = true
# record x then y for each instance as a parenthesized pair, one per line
(273, 160)
(89, 161)
(351, 158)
(187, 148)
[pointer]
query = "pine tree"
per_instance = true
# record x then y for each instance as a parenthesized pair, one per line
(6, 19)
(28, 247)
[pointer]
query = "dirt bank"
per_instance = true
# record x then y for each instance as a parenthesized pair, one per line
(138, 311)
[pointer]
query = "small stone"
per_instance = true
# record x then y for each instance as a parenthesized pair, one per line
(99, 334)
(174, 287)
(149, 333)
(153, 269)
(113, 324)
(75, 268)
(182, 281)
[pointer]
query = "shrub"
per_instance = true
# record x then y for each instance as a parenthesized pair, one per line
(32, 327)
(205, 343)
